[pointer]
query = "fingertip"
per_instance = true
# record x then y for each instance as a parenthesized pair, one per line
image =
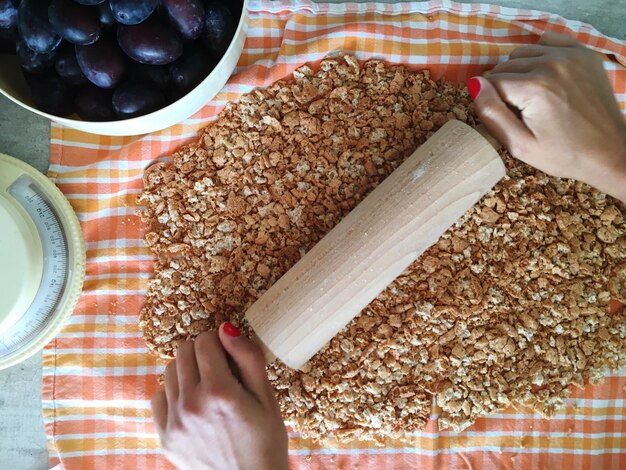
(171, 380)
(474, 86)
(211, 357)
(528, 51)
(248, 358)
(228, 333)
(545, 37)
(230, 330)
(482, 91)
(553, 38)
(205, 342)
(157, 400)
(232, 340)
(497, 116)
(159, 407)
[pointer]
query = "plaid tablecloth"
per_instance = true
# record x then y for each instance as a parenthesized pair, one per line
(98, 375)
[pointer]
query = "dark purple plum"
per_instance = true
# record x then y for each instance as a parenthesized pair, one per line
(137, 97)
(67, 66)
(186, 17)
(33, 61)
(106, 16)
(150, 42)
(8, 13)
(89, 2)
(102, 62)
(131, 12)
(95, 104)
(78, 24)
(34, 27)
(235, 7)
(219, 27)
(50, 94)
(188, 71)
(8, 39)
(159, 74)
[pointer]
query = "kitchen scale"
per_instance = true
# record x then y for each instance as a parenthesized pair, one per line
(42, 260)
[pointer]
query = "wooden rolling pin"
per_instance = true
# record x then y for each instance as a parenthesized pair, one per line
(375, 243)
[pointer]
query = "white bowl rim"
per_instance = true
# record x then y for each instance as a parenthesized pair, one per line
(135, 120)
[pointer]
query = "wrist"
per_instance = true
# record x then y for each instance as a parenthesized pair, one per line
(610, 175)
(620, 189)
(614, 183)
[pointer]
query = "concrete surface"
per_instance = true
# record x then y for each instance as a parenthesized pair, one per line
(22, 438)
(25, 136)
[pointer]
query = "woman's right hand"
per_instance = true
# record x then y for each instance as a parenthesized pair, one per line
(553, 107)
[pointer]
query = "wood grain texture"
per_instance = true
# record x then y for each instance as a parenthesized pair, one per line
(375, 243)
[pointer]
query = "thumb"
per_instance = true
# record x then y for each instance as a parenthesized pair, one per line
(498, 117)
(249, 360)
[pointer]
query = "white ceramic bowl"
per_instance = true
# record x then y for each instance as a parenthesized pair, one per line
(14, 87)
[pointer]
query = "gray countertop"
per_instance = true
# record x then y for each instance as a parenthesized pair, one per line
(26, 136)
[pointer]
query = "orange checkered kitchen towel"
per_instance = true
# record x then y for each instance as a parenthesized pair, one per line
(98, 375)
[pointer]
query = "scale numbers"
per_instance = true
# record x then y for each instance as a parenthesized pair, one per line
(55, 266)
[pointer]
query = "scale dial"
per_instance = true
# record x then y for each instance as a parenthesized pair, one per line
(42, 260)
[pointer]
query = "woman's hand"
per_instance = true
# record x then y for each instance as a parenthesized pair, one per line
(209, 417)
(569, 123)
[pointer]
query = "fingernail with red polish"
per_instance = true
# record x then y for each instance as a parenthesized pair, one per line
(231, 330)
(473, 86)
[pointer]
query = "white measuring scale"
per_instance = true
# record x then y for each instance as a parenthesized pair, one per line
(42, 260)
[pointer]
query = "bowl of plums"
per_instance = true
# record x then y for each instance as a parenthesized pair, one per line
(118, 67)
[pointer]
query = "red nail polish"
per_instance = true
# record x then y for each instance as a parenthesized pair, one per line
(473, 86)
(231, 330)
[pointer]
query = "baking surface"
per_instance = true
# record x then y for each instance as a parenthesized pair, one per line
(26, 137)
(482, 320)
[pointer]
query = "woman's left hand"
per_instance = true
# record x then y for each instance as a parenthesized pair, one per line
(209, 418)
